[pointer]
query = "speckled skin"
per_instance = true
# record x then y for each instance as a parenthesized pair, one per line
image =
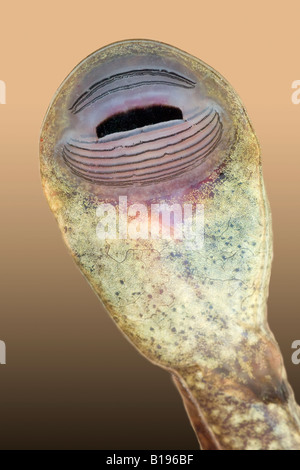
(199, 314)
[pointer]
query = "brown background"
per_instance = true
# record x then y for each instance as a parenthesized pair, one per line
(71, 379)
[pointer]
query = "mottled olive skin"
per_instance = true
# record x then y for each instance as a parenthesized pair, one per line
(201, 314)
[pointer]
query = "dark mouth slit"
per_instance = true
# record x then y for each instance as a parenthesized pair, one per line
(136, 118)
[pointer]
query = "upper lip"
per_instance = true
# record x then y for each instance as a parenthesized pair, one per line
(127, 80)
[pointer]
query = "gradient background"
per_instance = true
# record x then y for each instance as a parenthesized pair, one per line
(72, 380)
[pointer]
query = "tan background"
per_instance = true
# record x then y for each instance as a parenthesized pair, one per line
(71, 379)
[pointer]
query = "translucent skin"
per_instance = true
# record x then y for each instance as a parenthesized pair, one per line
(200, 314)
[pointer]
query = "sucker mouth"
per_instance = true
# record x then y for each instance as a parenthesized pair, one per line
(142, 126)
(145, 145)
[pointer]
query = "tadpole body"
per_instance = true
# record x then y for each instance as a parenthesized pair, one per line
(138, 127)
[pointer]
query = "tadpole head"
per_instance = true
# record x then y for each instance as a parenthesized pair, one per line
(148, 122)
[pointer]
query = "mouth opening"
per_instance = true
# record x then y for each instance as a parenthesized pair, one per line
(136, 118)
